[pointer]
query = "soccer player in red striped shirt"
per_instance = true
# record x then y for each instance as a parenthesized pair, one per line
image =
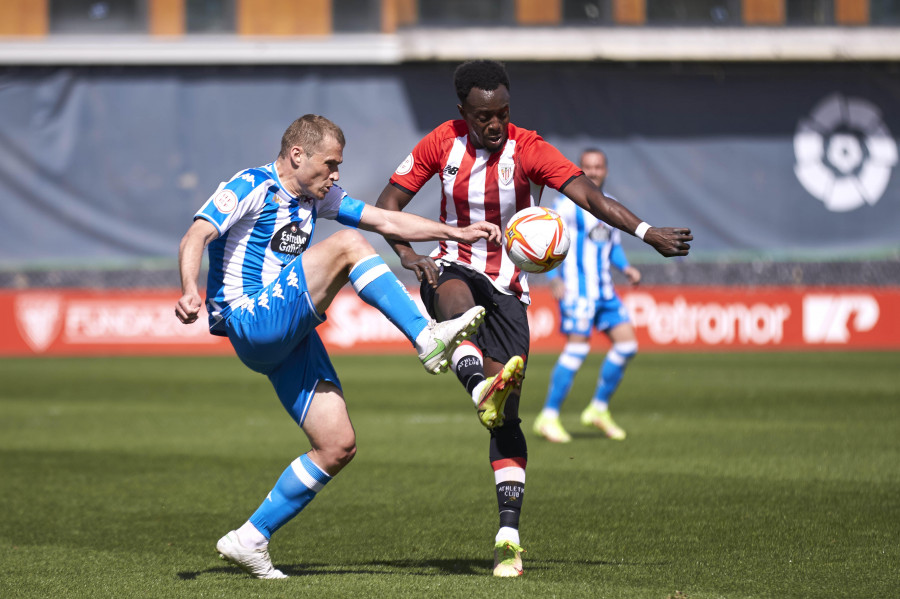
(489, 169)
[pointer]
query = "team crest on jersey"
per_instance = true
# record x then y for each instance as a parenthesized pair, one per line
(600, 233)
(506, 170)
(225, 201)
(405, 166)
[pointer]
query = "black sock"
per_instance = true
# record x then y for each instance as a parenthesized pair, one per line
(509, 499)
(470, 372)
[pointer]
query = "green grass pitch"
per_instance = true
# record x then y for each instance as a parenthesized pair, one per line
(743, 475)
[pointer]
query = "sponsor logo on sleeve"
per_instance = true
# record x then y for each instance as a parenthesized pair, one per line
(225, 201)
(405, 166)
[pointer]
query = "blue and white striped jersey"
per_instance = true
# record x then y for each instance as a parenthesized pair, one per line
(595, 245)
(261, 228)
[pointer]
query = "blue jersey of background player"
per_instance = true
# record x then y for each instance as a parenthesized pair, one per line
(587, 300)
(268, 290)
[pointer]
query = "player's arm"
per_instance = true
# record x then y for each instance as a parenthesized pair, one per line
(190, 258)
(395, 198)
(396, 225)
(668, 241)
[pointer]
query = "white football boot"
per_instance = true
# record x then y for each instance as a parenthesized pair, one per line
(439, 339)
(255, 562)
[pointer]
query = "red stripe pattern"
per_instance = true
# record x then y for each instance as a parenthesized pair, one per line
(485, 186)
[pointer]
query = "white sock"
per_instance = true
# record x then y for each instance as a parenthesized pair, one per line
(250, 537)
(550, 413)
(476, 392)
(600, 404)
(507, 534)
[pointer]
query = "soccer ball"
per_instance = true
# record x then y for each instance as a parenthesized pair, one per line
(536, 239)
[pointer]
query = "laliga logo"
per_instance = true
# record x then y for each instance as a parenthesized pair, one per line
(844, 153)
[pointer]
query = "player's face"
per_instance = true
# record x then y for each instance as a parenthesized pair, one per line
(317, 173)
(594, 166)
(487, 115)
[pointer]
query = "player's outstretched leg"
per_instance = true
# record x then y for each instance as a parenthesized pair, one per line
(255, 562)
(491, 394)
(376, 285)
(437, 342)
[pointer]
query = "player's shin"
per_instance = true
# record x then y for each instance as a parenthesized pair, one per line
(612, 371)
(570, 360)
(468, 364)
(296, 487)
(509, 478)
(379, 287)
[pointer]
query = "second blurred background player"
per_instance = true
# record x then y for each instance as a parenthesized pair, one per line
(583, 286)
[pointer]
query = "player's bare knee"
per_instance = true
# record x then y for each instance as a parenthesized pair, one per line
(352, 245)
(341, 454)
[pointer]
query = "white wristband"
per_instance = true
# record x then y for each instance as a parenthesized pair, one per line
(641, 230)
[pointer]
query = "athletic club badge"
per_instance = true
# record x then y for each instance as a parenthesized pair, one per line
(506, 170)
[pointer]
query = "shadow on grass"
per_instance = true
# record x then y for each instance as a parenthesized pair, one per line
(589, 434)
(437, 567)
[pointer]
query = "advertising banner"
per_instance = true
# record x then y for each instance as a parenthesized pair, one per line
(79, 322)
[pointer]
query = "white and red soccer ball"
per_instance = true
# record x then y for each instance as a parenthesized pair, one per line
(536, 239)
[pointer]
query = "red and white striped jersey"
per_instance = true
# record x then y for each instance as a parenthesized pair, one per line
(479, 185)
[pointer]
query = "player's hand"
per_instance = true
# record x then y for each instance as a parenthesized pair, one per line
(557, 289)
(188, 307)
(423, 266)
(632, 274)
(480, 230)
(669, 241)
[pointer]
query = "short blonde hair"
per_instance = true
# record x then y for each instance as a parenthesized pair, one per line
(308, 132)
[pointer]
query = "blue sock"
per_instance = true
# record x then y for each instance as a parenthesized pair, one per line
(570, 360)
(380, 288)
(296, 487)
(613, 370)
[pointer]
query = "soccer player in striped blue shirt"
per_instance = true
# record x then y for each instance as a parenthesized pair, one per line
(584, 288)
(268, 289)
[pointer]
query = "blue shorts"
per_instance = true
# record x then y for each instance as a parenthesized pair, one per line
(579, 316)
(277, 337)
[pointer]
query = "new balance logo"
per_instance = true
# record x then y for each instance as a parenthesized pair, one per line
(451, 170)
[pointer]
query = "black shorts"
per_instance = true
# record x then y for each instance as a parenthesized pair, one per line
(505, 332)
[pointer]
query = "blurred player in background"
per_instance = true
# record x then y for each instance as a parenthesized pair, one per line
(584, 288)
(489, 169)
(268, 289)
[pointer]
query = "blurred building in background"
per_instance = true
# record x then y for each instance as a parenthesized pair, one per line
(768, 126)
